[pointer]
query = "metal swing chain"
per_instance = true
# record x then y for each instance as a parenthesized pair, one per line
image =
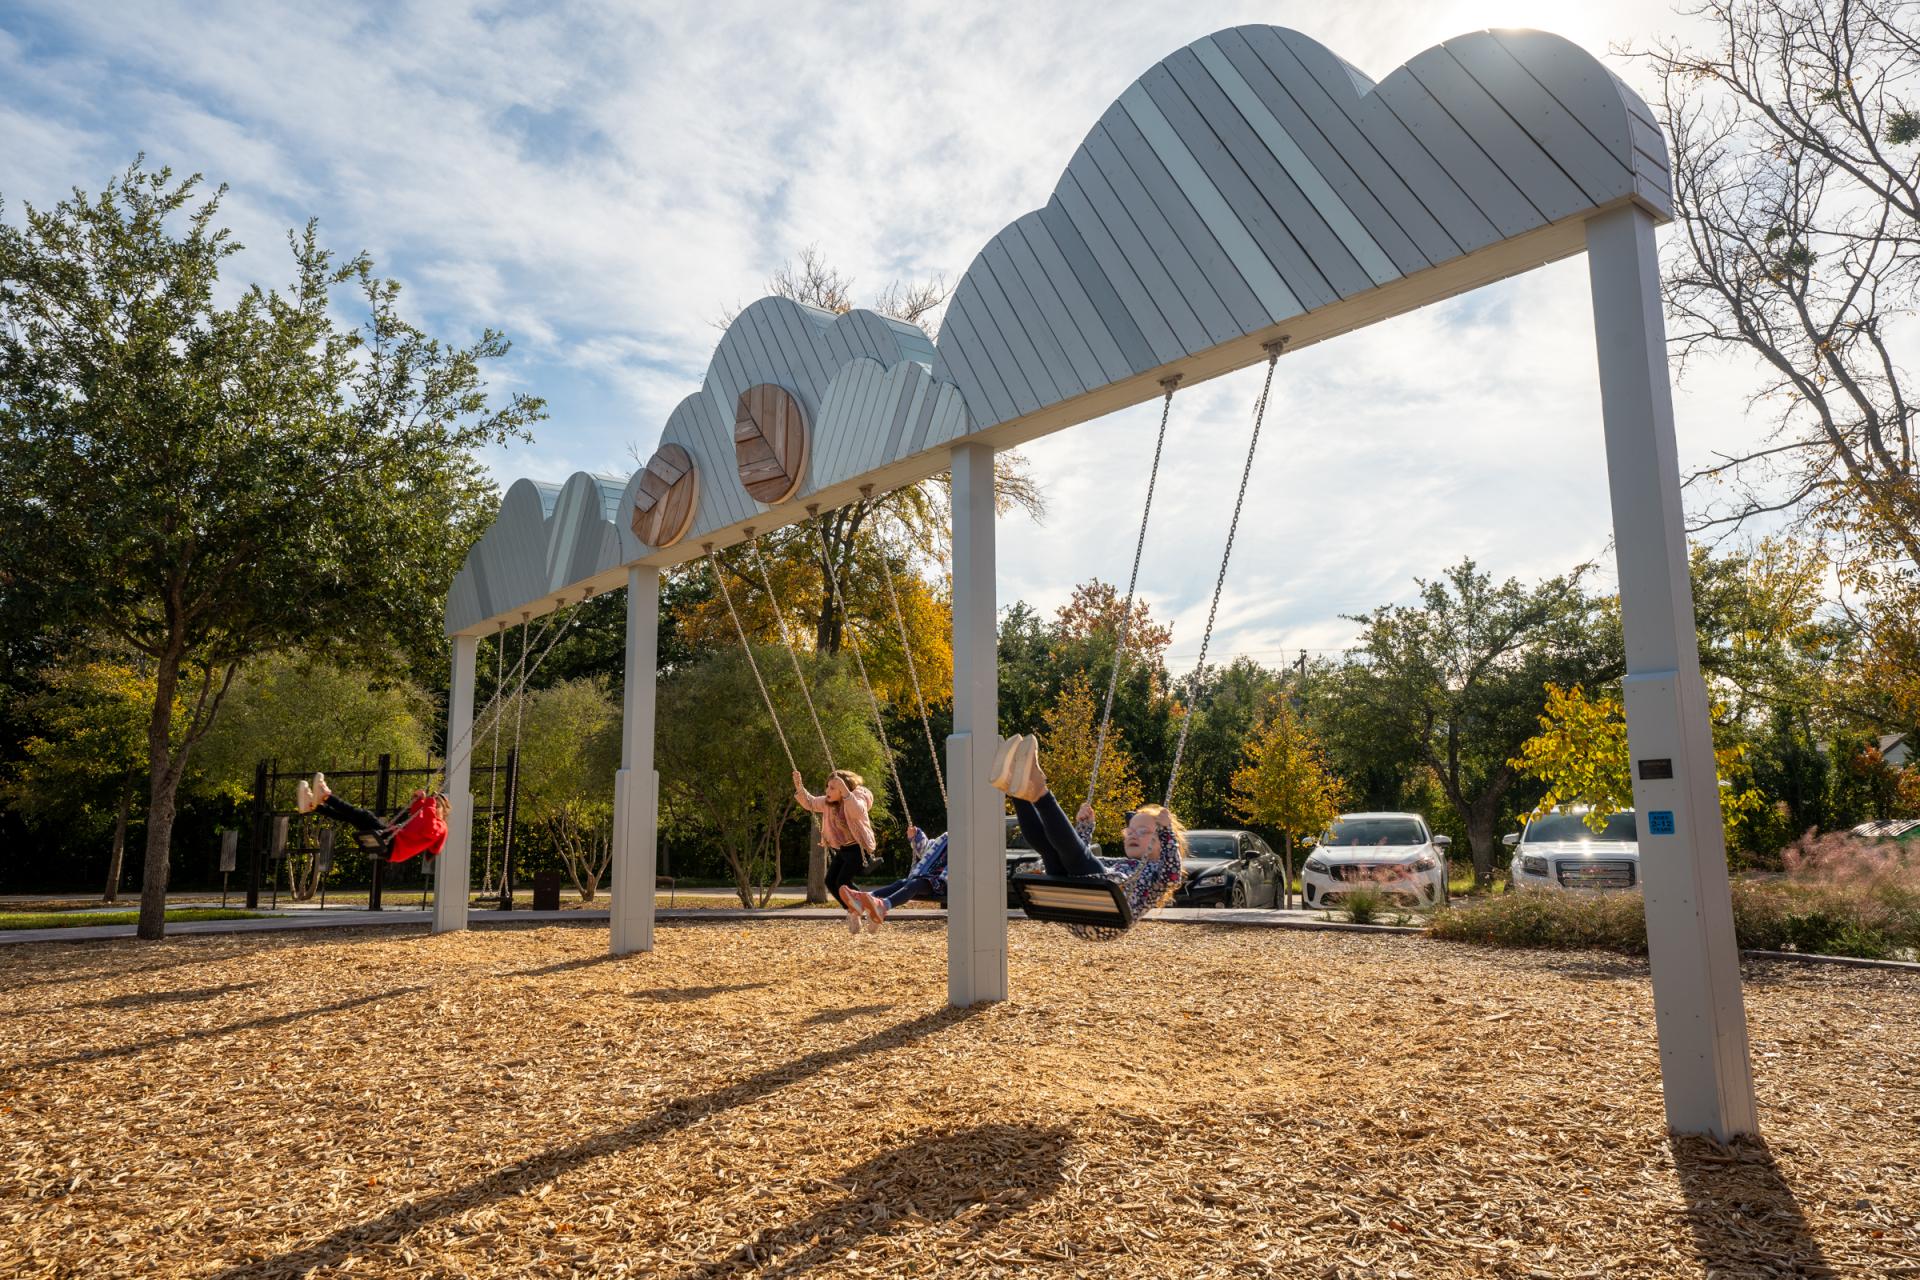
(754, 666)
(879, 725)
(793, 656)
(1274, 350)
(913, 676)
(1126, 612)
(520, 686)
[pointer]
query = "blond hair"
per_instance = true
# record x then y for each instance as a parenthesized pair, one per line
(1179, 828)
(849, 779)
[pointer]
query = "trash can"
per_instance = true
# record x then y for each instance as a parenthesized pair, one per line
(546, 891)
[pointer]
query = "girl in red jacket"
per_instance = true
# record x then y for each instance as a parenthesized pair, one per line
(422, 830)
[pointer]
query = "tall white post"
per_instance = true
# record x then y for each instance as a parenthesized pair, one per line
(636, 788)
(1699, 1010)
(976, 823)
(451, 871)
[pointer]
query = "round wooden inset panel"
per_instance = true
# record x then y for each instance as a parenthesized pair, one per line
(770, 443)
(668, 495)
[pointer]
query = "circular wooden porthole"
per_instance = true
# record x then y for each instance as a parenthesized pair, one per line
(770, 443)
(668, 495)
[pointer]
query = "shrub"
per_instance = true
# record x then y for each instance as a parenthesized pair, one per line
(1839, 896)
(1364, 904)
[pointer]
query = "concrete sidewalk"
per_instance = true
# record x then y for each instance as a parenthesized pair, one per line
(415, 919)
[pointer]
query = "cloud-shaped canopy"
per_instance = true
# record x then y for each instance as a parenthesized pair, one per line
(1249, 185)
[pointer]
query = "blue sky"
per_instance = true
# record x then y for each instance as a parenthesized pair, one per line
(601, 181)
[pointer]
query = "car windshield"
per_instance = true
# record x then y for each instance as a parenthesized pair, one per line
(1573, 826)
(1350, 832)
(1201, 846)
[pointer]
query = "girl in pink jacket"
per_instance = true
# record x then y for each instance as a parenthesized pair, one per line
(845, 830)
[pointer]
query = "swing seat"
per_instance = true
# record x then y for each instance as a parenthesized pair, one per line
(378, 843)
(1084, 900)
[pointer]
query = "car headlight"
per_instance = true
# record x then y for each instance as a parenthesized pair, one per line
(1424, 862)
(1211, 877)
(1316, 866)
(1533, 864)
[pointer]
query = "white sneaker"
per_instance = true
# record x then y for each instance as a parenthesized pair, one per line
(1003, 763)
(303, 797)
(320, 788)
(1025, 781)
(854, 916)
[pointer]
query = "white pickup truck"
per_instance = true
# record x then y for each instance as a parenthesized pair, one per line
(1560, 851)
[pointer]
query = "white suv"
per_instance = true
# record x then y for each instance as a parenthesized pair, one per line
(1393, 852)
(1560, 851)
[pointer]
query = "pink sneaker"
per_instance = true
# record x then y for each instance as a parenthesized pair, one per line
(852, 905)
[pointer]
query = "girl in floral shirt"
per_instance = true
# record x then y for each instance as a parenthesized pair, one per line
(1154, 841)
(926, 879)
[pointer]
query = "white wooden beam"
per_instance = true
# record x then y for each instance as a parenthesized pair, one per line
(451, 871)
(1698, 1007)
(636, 790)
(976, 826)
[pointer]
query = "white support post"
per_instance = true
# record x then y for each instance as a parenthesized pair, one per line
(976, 822)
(1699, 1010)
(451, 871)
(636, 788)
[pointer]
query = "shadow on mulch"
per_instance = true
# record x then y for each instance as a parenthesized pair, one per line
(1744, 1217)
(211, 1033)
(93, 972)
(683, 995)
(141, 999)
(1005, 1167)
(564, 966)
(830, 1017)
(523, 1176)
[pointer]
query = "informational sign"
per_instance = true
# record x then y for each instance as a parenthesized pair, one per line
(323, 856)
(229, 850)
(1660, 822)
(1655, 770)
(280, 836)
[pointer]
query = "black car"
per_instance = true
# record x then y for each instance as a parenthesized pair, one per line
(1215, 859)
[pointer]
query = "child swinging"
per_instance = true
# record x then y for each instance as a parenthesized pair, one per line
(845, 830)
(423, 829)
(927, 879)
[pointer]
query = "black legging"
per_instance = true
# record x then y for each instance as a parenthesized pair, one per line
(362, 819)
(1051, 833)
(843, 864)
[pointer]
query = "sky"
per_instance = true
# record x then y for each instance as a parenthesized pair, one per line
(602, 181)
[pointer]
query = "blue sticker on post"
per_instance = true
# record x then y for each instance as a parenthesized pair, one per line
(1660, 822)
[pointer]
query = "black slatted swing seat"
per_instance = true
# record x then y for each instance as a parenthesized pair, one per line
(1095, 901)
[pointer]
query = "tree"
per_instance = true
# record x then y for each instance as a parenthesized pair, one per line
(1797, 191)
(1581, 755)
(1285, 782)
(209, 484)
(1453, 683)
(305, 712)
(87, 752)
(1070, 729)
(722, 771)
(1231, 705)
(569, 753)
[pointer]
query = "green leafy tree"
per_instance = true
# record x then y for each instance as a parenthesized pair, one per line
(1453, 683)
(211, 483)
(86, 754)
(306, 712)
(722, 771)
(569, 753)
(1285, 782)
(1581, 755)
(1234, 702)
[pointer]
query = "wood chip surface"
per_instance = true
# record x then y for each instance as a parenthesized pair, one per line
(780, 1099)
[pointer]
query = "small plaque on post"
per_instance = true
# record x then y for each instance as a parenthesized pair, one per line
(1660, 822)
(1655, 770)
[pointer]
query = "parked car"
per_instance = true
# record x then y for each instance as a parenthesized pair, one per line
(1560, 851)
(1228, 868)
(1394, 852)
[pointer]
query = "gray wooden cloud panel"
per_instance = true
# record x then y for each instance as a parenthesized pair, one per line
(1240, 182)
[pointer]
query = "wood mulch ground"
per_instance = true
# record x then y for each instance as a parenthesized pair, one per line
(779, 1099)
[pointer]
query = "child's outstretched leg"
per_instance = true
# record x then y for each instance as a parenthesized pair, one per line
(1044, 823)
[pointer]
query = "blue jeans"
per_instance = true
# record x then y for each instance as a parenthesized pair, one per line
(1048, 829)
(908, 889)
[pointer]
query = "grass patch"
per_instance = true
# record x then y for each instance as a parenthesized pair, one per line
(77, 919)
(1364, 904)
